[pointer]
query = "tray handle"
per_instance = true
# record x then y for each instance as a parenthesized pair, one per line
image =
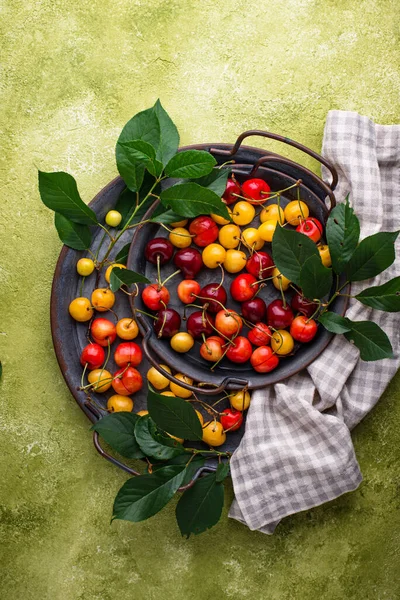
(284, 140)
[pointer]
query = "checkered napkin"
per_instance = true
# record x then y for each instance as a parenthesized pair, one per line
(297, 451)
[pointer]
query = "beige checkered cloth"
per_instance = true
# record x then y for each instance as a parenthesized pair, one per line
(297, 451)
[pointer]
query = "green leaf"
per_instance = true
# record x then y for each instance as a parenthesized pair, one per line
(167, 217)
(120, 277)
(371, 340)
(334, 322)
(315, 279)
(183, 459)
(373, 255)
(169, 136)
(118, 430)
(342, 233)
(73, 235)
(200, 507)
(216, 180)
(290, 251)
(222, 471)
(382, 297)
(190, 163)
(153, 443)
(59, 192)
(133, 154)
(191, 200)
(122, 255)
(143, 496)
(174, 415)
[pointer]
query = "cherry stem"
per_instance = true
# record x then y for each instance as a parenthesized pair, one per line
(100, 245)
(145, 313)
(315, 312)
(162, 326)
(170, 277)
(211, 411)
(203, 335)
(106, 232)
(281, 290)
(107, 357)
(209, 300)
(81, 286)
(159, 271)
(83, 374)
(222, 276)
(219, 360)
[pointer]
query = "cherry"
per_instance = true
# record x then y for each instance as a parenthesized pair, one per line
(260, 265)
(240, 351)
(155, 297)
(256, 190)
(300, 304)
(93, 356)
(211, 292)
(244, 287)
(200, 322)
(103, 331)
(211, 349)
(263, 360)
(167, 323)
(312, 228)
(204, 229)
(161, 247)
(254, 310)
(278, 315)
(260, 335)
(188, 260)
(232, 190)
(231, 419)
(303, 329)
(228, 322)
(187, 290)
(128, 353)
(127, 381)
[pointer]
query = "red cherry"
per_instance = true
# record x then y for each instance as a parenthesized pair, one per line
(303, 329)
(278, 315)
(204, 229)
(240, 351)
(300, 304)
(260, 265)
(254, 310)
(200, 322)
(212, 350)
(167, 324)
(161, 247)
(155, 297)
(312, 228)
(256, 190)
(211, 292)
(127, 381)
(93, 356)
(128, 353)
(244, 287)
(263, 360)
(187, 291)
(189, 261)
(231, 419)
(103, 331)
(232, 191)
(260, 335)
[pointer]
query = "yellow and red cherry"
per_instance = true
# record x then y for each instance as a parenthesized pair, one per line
(179, 390)
(180, 237)
(93, 356)
(221, 220)
(240, 350)
(100, 379)
(260, 265)
(279, 281)
(263, 359)
(182, 223)
(256, 190)
(244, 287)
(159, 249)
(182, 342)
(189, 261)
(243, 213)
(260, 335)
(300, 304)
(211, 350)
(142, 413)
(232, 191)
(103, 332)
(235, 261)
(229, 236)
(312, 228)
(128, 353)
(110, 268)
(200, 322)
(266, 230)
(127, 329)
(273, 212)
(81, 309)
(295, 212)
(113, 218)
(303, 329)
(213, 434)
(204, 230)
(155, 297)
(252, 238)
(187, 291)
(279, 316)
(231, 419)
(85, 266)
(214, 295)
(167, 324)
(240, 400)
(282, 342)
(325, 255)
(254, 310)
(119, 403)
(213, 255)
(103, 299)
(157, 379)
(127, 381)
(228, 322)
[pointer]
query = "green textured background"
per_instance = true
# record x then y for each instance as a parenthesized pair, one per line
(74, 72)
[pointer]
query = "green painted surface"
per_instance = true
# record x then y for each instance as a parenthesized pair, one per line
(73, 73)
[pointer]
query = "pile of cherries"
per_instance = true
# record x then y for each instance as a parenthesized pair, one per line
(273, 329)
